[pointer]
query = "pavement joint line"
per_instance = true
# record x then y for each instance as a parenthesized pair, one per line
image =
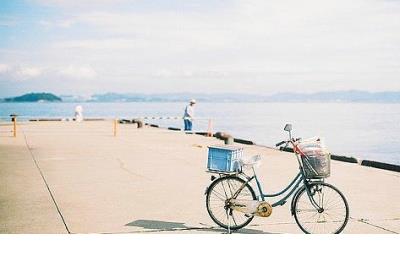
(45, 182)
(366, 222)
(122, 167)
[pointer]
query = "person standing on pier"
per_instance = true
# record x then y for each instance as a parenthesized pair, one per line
(78, 113)
(189, 115)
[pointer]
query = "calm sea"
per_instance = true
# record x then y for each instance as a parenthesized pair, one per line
(363, 130)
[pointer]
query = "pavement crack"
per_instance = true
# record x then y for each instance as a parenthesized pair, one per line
(45, 182)
(365, 221)
(123, 167)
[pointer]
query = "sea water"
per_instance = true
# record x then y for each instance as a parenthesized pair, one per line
(363, 130)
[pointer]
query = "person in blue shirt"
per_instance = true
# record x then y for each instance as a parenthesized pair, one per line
(189, 115)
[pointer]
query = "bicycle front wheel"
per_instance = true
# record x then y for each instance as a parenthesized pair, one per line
(328, 214)
(218, 195)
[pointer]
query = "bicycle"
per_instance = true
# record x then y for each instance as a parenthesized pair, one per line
(317, 206)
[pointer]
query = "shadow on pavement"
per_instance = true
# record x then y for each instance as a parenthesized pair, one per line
(240, 231)
(156, 225)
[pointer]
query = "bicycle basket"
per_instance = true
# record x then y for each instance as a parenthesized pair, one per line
(316, 159)
(317, 164)
(224, 159)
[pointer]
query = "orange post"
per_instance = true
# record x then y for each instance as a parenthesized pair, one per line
(15, 126)
(115, 127)
(209, 130)
(14, 120)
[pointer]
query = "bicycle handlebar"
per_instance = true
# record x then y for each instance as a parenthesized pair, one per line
(287, 142)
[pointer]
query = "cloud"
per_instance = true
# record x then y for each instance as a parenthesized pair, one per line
(74, 3)
(252, 27)
(97, 44)
(28, 72)
(19, 73)
(25, 73)
(268, 45)
(66, 23)
(256, 34)
(81, 4)
(4, 68)
(76, 72)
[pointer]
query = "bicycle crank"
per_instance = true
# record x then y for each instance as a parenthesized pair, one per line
(253, 207)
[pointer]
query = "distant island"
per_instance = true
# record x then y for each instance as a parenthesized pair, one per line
(324, 97)
(332, 96)
(34, 97)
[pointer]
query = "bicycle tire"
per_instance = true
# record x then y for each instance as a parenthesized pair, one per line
(221, 221)
(335, 203)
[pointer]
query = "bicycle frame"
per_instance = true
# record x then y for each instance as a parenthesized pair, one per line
(293, 186)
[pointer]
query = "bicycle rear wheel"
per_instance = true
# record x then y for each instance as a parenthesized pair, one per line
(333, 212)
(217, 197)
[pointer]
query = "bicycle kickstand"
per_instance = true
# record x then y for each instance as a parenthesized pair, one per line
(229, 221)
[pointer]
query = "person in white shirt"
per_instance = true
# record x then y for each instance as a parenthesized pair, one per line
(78, 113)
(189, 115)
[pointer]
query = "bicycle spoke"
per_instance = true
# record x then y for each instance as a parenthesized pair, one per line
(219, 195)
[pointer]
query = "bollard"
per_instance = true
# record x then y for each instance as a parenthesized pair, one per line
(138, 122)
(228, 140)
(14, 120)
(115, 127)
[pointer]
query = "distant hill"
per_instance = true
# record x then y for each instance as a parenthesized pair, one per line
(337, 96)
(35, 97)
(333, 96)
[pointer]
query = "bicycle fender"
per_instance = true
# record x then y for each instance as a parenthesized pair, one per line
(294, 199)
(215, 180)
(206, 190)
(208, 187)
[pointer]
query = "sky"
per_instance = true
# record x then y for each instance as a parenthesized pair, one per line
(160, 46)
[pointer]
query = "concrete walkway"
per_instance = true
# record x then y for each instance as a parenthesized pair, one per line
(64, 177)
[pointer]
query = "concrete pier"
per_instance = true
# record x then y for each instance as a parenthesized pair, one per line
(67, 177)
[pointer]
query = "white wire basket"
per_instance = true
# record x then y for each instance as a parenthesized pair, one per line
(252, 162)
